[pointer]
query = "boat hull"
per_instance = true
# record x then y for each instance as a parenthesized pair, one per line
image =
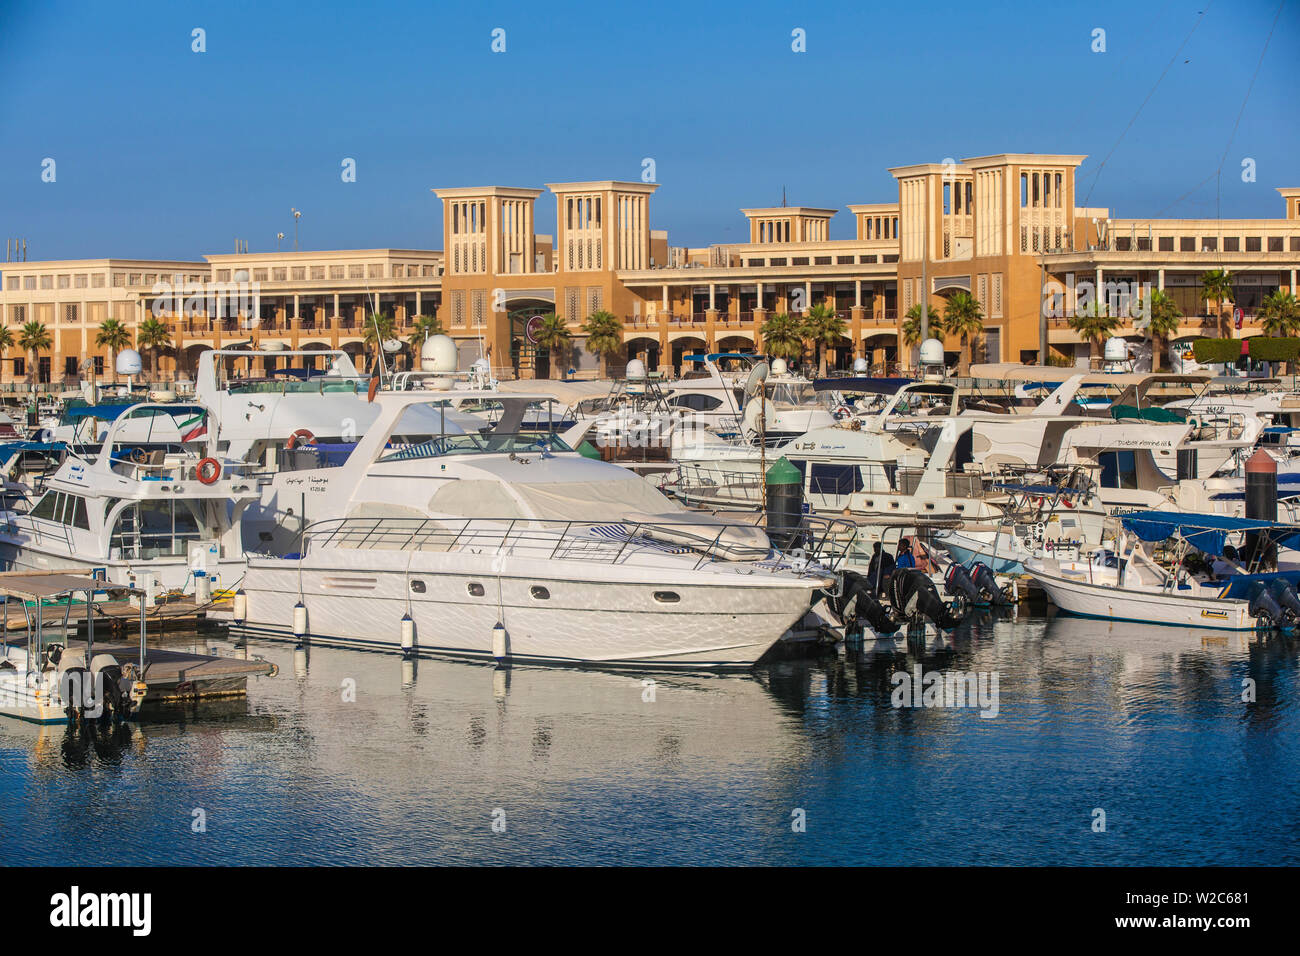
(1108, 602)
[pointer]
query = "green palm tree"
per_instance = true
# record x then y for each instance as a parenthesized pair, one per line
(1094, 324)
(423, 328)
(825, 329)
(114, 336)
(1279, 313)
(554, 336)
(34, 339)
(963, 317)
(380, 328)
(6, 339)
(1216, 287)
(604, 334)
(912, 325)
(153, 336)
(1161, 317)
(783, 336)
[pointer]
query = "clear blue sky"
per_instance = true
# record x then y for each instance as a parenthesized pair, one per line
(164, 152)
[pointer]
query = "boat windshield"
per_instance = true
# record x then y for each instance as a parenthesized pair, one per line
(489, 444)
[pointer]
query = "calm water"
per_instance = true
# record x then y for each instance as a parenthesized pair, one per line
(1147, 724)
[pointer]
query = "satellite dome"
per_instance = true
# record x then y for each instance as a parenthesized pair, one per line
(1116, 350)
(860, 365)
(438, 354)
(780, 366)
(931, 352)
(636, 369)
(128, 362)
(481, 363)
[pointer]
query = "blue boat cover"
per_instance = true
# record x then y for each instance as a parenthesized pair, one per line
(873, 386)
(9, 449)
(106, 413)
(1204, 532)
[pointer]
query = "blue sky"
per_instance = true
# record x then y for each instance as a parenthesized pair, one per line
(161, 151)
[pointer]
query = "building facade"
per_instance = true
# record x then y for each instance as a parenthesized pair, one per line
(1006, 229)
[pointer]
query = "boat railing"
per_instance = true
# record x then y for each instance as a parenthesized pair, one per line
(816, 545)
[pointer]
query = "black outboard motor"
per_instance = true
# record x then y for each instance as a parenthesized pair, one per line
(1287, 599)
(957, 581)
(915, 597)
(859, 600)
(1264, 607)
(987, 582)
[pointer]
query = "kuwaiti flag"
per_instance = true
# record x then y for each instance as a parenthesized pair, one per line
(198, 427)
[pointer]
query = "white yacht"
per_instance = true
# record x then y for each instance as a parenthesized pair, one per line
(147, 510)
(450, 541)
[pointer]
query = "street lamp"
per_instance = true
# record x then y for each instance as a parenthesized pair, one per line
(297, 214)
(278, 237)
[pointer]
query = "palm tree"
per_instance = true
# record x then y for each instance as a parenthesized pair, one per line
(380, 328)
(114, 336)
(1094, 324)
(783, 336)
(153, 336)
(825, 329)
(34, 339)
(912, 325)
(1279, 313)
(1216, 287)
(963, 317)
(423, 328)
(1162, 318)
(6, 339)
(604, 334)
(554, 336)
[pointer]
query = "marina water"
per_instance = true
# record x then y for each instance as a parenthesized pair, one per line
(1110, 745)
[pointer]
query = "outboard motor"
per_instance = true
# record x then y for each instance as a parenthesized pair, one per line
(957, 581)
(1287, 599)
(915, 597)
(113, 688)
(987, 582)
(859, 600)
(76, 686)
(1264, 607)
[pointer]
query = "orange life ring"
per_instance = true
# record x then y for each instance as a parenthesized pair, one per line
(374, 387)
(208, 470)
(301, 435)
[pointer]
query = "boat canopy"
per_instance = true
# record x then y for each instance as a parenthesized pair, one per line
(1205, 532)
(869, 386)
(105, 413)
(9, 450)
(1155, 413)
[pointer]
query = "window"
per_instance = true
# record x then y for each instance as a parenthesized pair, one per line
(1209, 244)
(475, 589)
(1231, 244)
(833, 479)
(356, 271)
(299, 272)
(1166, 243)
(99, 364)
(1274, 243)
(279, 275)
(69, 313)
(696, 403)
(1186, 243)
(70, 365)
(18, 314)
(259, 275)
(418, 587)
(20, 367)
(667, 597)
(336, 272)
(1252, 244)
(1295, 243)
(318, 272)
(539, 593)
(1118, 469)
(45, 507)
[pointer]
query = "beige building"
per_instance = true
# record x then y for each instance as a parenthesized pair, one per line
(1004, 228)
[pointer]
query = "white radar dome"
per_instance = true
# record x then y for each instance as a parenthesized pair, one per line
(438, 354)
(636, 369)
(1116, 350)
(128, 362)
(860, 366)
(780, 366)
(931, 352)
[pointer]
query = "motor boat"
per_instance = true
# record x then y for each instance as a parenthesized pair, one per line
(438, 539)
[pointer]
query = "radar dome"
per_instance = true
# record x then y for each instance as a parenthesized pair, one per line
(1116, 350)
(780, 366)
(438, 354)
(931, 352)
(128, 362)
(636, 369)
(860, 366)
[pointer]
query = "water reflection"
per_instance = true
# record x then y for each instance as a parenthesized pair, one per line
(1188, 740)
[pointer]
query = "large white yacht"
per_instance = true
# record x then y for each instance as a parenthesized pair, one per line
(501, 542)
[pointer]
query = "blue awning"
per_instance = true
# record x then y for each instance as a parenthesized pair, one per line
(11, 449)
(107, 413)
(871, 386)
(1205, 532)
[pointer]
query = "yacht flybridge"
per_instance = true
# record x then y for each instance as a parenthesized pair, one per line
(451, 541)
(160, 502)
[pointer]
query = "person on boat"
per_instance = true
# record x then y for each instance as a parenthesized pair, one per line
(880, 568)
(1224, 565)
(905, 557)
